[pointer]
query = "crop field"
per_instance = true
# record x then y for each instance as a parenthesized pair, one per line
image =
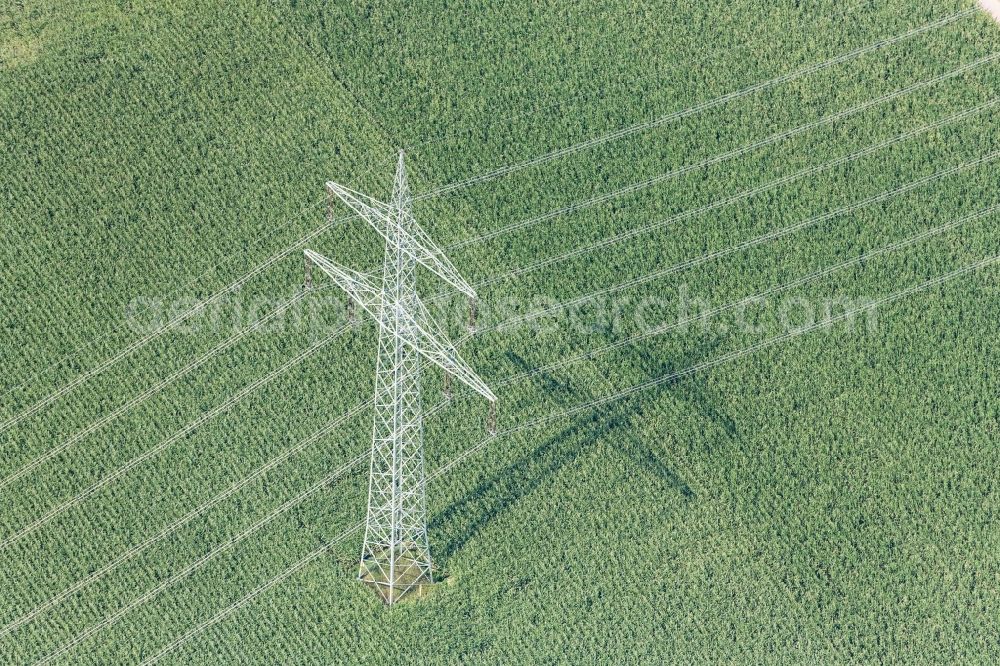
(738, 296)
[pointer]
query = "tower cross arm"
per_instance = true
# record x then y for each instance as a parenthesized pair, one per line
(376, 213)
(430, 341)
(436, 261)
(382, 217)
(357, 285)
(436, 348)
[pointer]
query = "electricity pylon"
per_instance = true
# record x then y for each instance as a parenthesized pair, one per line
(396, 555)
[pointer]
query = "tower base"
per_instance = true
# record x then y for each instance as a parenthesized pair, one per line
(411, 575)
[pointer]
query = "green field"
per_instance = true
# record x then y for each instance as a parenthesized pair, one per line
(182, 473)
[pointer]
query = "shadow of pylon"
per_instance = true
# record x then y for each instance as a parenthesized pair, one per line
(471, 513)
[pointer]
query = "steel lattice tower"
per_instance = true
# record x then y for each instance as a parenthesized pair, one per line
(396, 555)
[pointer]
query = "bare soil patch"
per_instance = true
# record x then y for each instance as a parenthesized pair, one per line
(17, 52)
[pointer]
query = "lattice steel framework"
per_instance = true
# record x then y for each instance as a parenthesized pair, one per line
(396, 556)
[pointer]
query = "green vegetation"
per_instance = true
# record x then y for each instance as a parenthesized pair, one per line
(829, 499)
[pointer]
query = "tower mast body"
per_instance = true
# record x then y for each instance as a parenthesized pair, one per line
(395, 556)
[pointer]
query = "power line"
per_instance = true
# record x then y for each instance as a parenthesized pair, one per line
(532, 267)
(509, 323)
(583, 250)
(445, 131)
(186, 519)
(746, 194)
(720, 158)
(754, 242)
(590, 354)
(233, 286)
(733, 355)
(737, 197)
(150, 392)
(698, 108)
(319, 552)
(229, 610)
(297, 245)
(169, 441)
(755, 298)
(212, 554)
(770, 342)
(190, 283)
(197, 564)
(156, 333)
